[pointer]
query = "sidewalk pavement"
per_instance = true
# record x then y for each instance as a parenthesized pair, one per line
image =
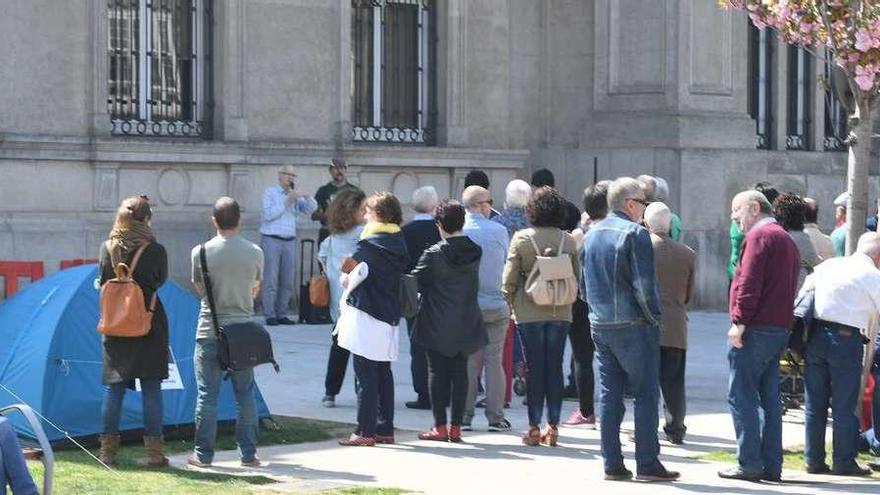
(498, 462)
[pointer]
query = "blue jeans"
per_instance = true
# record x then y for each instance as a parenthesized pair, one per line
(152, 401)
(544, 347)
(208, 379)
(13, 468)
(375, 391)
(754, 384)
(834, 362)
(629, 360)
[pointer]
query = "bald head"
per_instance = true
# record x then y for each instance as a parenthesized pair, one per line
(474, 196)
(869, 244)
(227, 213)
(748, 207)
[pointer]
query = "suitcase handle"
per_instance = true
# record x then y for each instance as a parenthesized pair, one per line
(302, 249)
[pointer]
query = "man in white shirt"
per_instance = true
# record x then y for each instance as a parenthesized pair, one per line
(847, 302)
(281, 204)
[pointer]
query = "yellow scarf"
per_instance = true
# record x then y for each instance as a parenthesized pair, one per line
(374, 228)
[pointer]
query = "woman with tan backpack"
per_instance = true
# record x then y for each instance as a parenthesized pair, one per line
(133, 267)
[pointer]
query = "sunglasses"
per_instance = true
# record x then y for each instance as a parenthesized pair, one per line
(640, 201)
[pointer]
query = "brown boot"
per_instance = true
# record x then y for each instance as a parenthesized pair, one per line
(109, 449)
(155, 451)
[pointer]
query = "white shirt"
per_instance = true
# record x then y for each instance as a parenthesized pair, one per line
(279, 219)
(847, 290)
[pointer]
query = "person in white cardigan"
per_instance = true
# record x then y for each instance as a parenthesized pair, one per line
(345, 221)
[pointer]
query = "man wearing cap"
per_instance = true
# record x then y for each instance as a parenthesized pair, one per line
(281, 204)
(838, 235)
(328, 191)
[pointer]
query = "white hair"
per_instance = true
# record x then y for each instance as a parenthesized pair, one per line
(649, 183)
(869, 244)
(620, 190)
(661, 192)
(517, 193)
(658, 217)
(425, 199)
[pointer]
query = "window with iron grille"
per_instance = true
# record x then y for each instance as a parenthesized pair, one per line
(800, 87)
(159, 67)
(835, 112)
(393, 59)
(761, 55)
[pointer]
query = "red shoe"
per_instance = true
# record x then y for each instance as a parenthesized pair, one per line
(358, 441)
(437, 433)
(455, 434)
(385, 439)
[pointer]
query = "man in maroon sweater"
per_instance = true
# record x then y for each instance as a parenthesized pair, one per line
(761, 304)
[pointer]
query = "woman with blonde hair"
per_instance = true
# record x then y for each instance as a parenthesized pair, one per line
(127, 359)
(345, 222)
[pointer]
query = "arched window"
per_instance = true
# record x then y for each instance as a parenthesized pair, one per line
(158, 66)
(393, 60)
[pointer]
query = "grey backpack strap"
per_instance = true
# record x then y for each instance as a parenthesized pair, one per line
(535, 245)
(561, 244)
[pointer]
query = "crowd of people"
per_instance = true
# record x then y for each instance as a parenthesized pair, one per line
(501, 291)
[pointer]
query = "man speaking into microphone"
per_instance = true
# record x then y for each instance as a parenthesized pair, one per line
(281, 204)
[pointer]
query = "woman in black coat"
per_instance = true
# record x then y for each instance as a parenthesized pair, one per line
(449, 324)
(129, 358)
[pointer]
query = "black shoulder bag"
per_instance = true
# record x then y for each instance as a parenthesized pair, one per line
(241, 345)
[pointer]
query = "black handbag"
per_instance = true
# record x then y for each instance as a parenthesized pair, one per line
(240, 345)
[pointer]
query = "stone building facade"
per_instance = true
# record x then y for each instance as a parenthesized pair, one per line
(187, 100)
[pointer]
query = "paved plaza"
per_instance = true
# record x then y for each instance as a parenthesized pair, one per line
(497, 462)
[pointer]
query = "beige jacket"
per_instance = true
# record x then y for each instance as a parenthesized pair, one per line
(674, 264)
(520, 259)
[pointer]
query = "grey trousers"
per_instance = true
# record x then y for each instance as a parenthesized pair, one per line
(278, 274)
(491, 358)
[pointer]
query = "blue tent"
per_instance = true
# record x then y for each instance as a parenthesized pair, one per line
(50, 356)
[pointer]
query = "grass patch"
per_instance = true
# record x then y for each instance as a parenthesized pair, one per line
(792, 458)
(363, 490)
(76, 472)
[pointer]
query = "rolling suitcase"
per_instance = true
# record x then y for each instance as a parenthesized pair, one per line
(309, 314)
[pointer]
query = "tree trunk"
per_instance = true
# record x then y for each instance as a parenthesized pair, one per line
(857, 174)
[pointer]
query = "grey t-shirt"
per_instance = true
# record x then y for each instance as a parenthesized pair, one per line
(234, 264)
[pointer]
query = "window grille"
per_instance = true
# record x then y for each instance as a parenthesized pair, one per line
(800, 86)
(761, 55)
(393, 59)
(159, 67)
(835, 113)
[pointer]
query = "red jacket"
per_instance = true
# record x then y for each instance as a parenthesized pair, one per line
(765, 283)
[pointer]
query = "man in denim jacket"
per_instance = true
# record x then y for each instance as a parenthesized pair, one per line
(625, 316)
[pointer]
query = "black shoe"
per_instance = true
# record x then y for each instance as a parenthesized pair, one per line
(674, 439)
(659, 473)
(618, 474)
(272, 322)
(854, 470)
(736, 473)
(775, 478)
(418, 404)
(503, 425)
(819, 469)
(874, 465)
(286, 321)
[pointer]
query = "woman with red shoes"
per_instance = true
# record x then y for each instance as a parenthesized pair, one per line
(449, 323)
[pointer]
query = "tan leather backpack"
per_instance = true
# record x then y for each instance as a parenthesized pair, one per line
(552, 281)
(123, 311)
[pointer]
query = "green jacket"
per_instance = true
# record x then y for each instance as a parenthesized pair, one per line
(736, 239)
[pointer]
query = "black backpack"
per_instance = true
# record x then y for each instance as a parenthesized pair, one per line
(241, 345)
